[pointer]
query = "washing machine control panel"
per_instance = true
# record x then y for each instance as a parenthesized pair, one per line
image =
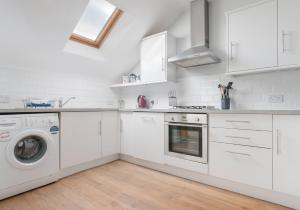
(42, 122)
(6, 126)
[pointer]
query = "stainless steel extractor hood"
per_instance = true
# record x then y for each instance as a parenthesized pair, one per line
(199, 54)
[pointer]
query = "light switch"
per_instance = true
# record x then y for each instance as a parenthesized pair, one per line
(276, 99)
(4, 99)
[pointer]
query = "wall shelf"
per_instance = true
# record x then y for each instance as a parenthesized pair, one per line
(137, 84)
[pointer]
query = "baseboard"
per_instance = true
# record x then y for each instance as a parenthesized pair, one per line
(21, 188)
(82, 167)
(255, 192)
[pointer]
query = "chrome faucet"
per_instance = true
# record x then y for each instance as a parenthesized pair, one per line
(61, 103)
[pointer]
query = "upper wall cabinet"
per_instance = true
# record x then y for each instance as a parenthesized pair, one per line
(288, 32)
(155, 51)
(252, 37)
(263, 37)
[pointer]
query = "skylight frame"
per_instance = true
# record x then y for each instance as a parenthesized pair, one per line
(102, 35)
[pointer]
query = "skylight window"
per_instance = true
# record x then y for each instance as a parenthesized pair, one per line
(96, 22)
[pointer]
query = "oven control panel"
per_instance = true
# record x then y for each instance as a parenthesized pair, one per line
(186, 118)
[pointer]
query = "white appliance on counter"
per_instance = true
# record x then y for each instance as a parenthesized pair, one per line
(29, 152)
(186, 136)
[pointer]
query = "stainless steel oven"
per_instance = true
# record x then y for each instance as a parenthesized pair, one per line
(186, 136)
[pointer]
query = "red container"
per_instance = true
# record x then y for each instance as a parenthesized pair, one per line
(142, 102)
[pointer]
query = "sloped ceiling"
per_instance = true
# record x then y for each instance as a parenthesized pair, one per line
(34, 34)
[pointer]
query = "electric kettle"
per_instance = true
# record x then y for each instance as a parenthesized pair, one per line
(142, 102)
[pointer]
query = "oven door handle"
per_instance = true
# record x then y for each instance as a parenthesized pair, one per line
(187, 125)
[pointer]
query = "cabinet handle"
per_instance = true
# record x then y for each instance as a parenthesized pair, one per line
(163, 64)
(238, 137)
(232, 44)
(278, 142)
(100, 128)
(149, 119)
(121, 126)
(238, 153)
(238, 121)
(283, 41)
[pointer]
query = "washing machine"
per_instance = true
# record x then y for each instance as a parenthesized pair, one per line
(29, 152)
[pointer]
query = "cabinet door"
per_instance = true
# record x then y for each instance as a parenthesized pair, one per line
(241, 163)
(80, 138)
(252, 37)
(110, 133)
(286, 154)
(127, 133)
(149, 138)
(153, 58)
(288, 32)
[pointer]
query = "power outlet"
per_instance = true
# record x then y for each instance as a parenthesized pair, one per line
(4, 99)
(276, 99)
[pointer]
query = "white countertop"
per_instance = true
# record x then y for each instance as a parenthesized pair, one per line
(58, 110)
(280, 112)
(54, 110)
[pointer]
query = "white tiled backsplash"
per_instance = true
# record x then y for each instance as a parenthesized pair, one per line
(261, 91)
(19, 84)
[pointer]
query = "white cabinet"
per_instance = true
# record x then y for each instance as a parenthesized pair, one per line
(242, 121)
(149, 136)
(242, 137)
(127, 133)
(80, 140)
(241, 145)
(286, 153)
(249, 165)
(142, 135)
(252, 37)
(288, 32)
(155, 51)
(110, 133)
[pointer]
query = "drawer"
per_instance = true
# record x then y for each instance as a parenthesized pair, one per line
(248, 165)
(241, 137)
(241, 121)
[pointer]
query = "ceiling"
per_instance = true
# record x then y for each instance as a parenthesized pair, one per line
(34, 34)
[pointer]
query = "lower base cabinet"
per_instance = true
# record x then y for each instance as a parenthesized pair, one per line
(142, 136)
(88, 136)
(80, 140)
(286, 162)
(149, 136)
(248, 165)
(127, 133)
(110, 133)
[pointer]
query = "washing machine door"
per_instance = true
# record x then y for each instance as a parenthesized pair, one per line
(29, 149)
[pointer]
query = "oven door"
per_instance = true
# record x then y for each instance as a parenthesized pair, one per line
(186, 141)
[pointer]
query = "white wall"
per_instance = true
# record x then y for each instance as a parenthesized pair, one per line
(33, 62)
(19, 84)
(198, 86)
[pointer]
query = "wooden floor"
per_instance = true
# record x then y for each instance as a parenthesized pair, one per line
(120, 185)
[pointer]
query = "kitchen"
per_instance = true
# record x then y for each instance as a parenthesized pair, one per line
(147, 110)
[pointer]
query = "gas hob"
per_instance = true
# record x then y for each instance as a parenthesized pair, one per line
(196, 107)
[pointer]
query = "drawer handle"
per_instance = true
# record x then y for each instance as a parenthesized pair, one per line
(238, 153)
(238, 137)
(238, 121)
(148, 119)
